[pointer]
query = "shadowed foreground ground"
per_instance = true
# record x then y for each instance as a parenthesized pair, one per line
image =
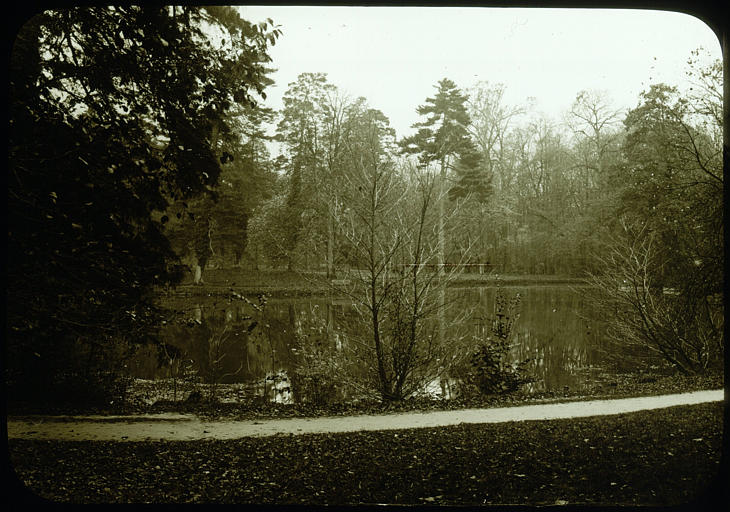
(664, 457)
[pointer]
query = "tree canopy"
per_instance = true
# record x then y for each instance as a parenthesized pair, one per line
(114, 112)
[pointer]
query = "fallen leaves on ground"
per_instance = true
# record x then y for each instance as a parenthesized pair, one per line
(618, 459)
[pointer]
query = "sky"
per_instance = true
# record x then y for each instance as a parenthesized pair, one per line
(394, 56)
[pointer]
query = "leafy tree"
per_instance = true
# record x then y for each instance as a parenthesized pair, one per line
(675, 183)
(471, 180)
(300, 130)
(249, 180)
(443, 135)
(269, 227)
(313, 127)
(114, 111)
(215, 226)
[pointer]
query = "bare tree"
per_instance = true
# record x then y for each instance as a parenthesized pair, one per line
(644, 318)
(490, 122)
(391, 228)
(595, 127)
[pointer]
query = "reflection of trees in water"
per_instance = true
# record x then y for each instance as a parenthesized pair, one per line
(254, 351)
(266, 349)
(553, 364)
(552, 330)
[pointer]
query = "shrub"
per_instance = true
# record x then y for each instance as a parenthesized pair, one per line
(491, 374)
(651, 313)
(76, 374)
(488, 370)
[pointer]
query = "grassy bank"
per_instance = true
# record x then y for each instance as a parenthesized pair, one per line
(661, 457)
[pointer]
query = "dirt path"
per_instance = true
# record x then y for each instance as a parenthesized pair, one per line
(179, 427)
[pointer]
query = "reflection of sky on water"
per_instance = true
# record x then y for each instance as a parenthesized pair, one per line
(553, 331)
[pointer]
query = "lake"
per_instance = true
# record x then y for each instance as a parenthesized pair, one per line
(220, 341)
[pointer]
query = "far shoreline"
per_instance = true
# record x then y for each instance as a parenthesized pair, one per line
(284, 283)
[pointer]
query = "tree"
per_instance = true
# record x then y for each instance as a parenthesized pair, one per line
(269, 230)
(114, 111)
(490, 122)
(647, 320)
(597, 135)
(313, 126)
(542, 208)
(675, 185)
(300, 130)
(593, 123)
(443, 138)
(215, 226)
(483, 221)
(250, 180)
(337, 110)
(670, 257)
(387, 220)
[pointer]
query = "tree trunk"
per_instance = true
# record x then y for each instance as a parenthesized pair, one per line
(385, 384)
(330, 247)
(441, 317)
(441, 322)
(442, 213)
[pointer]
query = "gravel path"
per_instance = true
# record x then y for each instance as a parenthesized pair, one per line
(185, 427)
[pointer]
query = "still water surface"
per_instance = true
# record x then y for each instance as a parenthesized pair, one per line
(553, 330)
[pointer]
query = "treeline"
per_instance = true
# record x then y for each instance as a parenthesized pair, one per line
(526, 194)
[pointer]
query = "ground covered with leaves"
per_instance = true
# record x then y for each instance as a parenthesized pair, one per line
(661, 457)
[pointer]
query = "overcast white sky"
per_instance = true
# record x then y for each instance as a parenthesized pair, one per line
(395, 55)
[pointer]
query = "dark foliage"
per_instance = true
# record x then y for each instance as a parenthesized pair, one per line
(491, 375)
(662, 275)
(112, 114)
(674, 185)
(215, 226)
(443, 138)
(609, 385)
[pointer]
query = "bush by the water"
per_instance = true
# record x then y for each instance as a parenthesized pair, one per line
(490, 373)
(319, 376)
(488, 370)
